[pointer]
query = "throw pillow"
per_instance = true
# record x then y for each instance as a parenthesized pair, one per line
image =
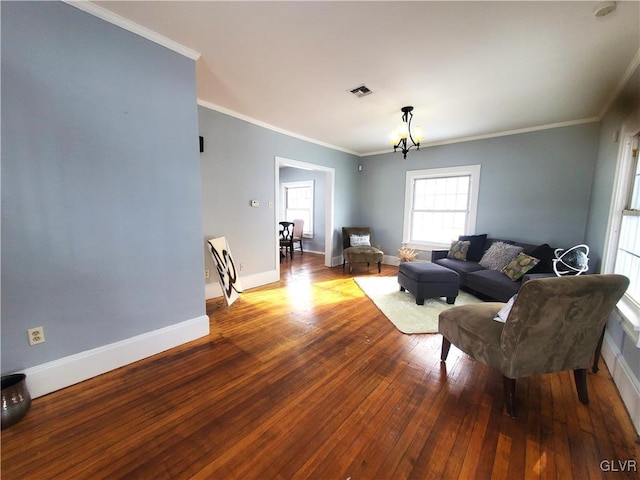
(503, 314)
(359, 240)
(498, 255)
(458, 250)
(545, 254)
(477, 246)
(520, 265)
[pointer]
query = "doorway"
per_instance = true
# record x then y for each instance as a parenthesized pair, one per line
(328, 199)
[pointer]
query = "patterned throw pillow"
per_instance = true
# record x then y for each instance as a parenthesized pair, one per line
(359, 240)
(498, 255)
(458, 250)
(520, 265)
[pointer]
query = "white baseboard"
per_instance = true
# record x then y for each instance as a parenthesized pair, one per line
(624, 379)
(212, 287)
(391, 260)
(51, 376)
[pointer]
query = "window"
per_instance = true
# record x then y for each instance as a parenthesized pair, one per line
(440, 205)
(628, 252)
(298, 203)
(622, 246)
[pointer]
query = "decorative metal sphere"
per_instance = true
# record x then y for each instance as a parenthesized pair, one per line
(573, 261)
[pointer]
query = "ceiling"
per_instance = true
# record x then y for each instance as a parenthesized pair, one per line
(469, 69)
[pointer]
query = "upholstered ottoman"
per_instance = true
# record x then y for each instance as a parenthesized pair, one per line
(428, 280)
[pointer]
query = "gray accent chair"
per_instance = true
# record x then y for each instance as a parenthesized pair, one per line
(554, 325)
(361, 254)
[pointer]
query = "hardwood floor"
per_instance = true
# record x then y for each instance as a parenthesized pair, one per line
(305, 378)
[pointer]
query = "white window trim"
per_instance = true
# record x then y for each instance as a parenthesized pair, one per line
(628, 309)
(470, 227)
(308, 229)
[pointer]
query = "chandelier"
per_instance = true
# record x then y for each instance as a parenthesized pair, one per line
(403, 133)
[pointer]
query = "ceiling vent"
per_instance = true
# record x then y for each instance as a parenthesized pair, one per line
(361, 91)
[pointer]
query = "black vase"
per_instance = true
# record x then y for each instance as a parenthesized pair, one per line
(15, 399)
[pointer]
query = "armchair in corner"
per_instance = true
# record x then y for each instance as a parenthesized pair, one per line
(357, 248)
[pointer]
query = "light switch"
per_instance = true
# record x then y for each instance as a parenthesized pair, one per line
(255, 203)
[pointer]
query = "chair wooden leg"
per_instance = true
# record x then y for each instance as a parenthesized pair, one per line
(446, 345)
(379, 267)
(510, 395)
(580, 376)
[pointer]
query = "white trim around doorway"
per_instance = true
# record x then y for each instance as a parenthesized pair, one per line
(329, 204)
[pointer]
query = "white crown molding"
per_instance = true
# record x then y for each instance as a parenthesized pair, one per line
(109, 16)
(259, 123)
(57, 374)
(504, 133)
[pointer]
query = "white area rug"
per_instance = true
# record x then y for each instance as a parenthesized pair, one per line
(400, 307)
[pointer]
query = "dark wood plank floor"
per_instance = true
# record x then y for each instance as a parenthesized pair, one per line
(305, 378)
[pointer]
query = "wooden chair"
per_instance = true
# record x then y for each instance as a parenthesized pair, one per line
(286, 238)
(554, 325)
(298, 227)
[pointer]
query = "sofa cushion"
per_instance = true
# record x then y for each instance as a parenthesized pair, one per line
(458, 250)
(477, 246)
(520, 265)
(493, 284)
(498, 255)
(363, 254)
(473, 331)
(459, 266)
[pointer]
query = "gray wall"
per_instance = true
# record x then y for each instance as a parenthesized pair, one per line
(238, 165)
(101, 218)
(534, 187)
(289, 174)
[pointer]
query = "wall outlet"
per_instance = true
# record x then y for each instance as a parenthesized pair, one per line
(36, 335)
(206, 274)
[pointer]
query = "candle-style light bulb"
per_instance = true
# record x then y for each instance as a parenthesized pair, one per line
(417, 134)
